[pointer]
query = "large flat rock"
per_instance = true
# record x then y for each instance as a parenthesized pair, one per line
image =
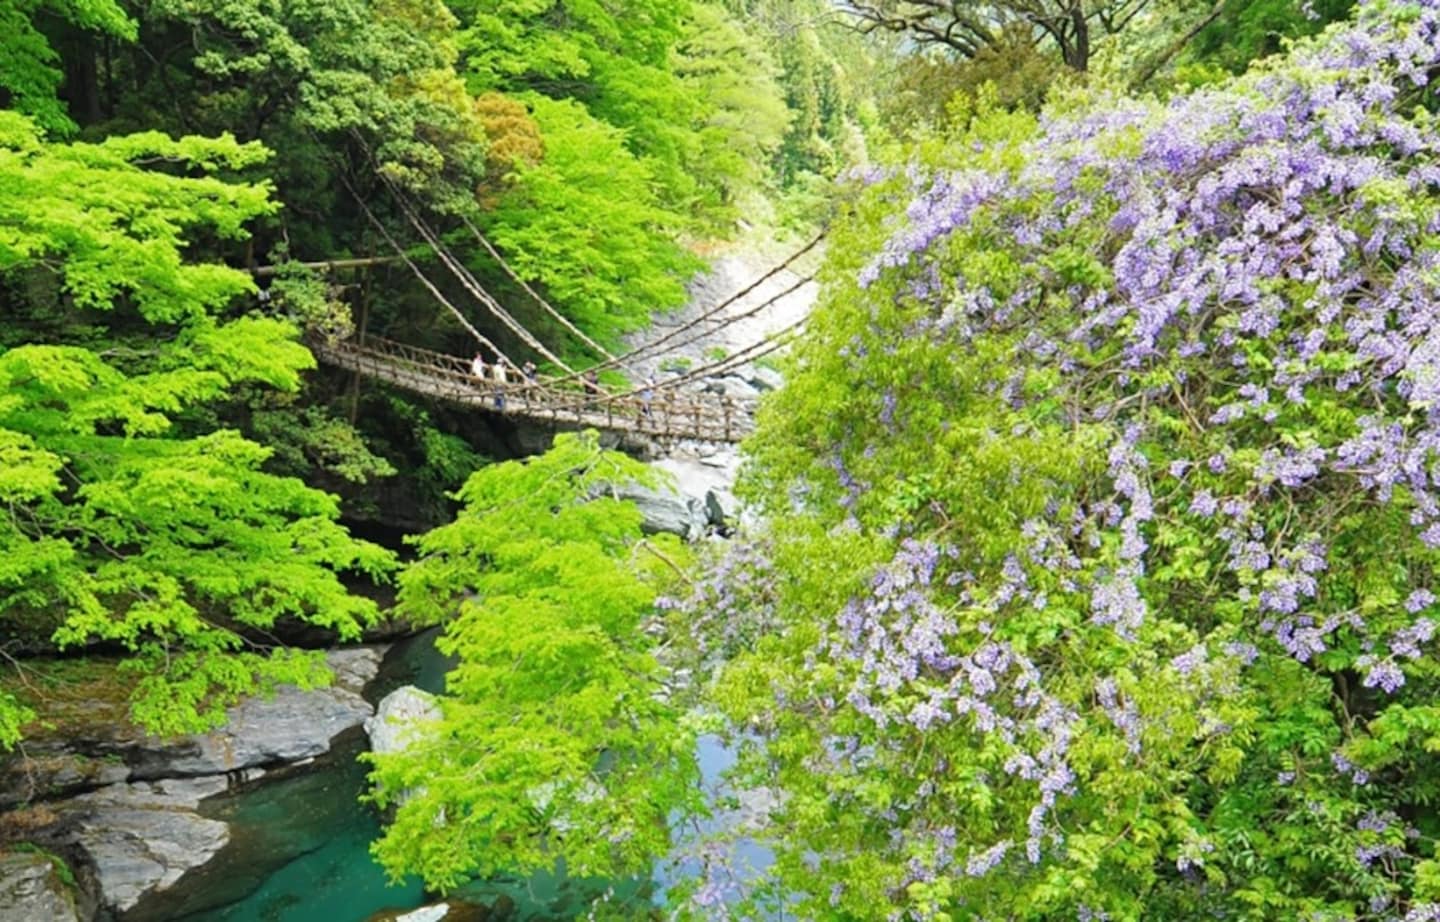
(667, 511)
(290, 726)
(32, 891)
(144, 836)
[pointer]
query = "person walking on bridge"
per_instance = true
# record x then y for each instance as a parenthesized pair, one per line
(500, 381)
(647, 394)
(477, 366)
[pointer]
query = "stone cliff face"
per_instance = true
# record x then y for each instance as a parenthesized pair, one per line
(125, 804)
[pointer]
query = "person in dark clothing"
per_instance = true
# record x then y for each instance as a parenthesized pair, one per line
(647, 394)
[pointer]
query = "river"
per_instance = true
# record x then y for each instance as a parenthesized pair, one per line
(299, 848)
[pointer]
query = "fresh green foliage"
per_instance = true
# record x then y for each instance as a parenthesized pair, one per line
(307, 439)
(586, 223)
(377, 71)
(1245, 32)
(829, 76)
(654, 117)
(125, 525)
(610, 59)
(557, 742)
(744, 117)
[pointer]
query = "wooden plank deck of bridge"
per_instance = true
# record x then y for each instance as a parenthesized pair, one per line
(667, 415)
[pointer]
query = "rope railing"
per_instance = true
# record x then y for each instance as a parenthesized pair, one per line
(653, 407)
(663, 414)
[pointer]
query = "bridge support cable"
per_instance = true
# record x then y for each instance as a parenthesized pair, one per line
(419, 274)
(697, 333)
(764, 347)
(669, 340)
(473, 286)
(559, 317)
(467, 280)
(470, 283)
(735, 318)
(760, 349)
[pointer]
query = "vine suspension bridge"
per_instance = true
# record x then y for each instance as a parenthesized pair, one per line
(667, 409)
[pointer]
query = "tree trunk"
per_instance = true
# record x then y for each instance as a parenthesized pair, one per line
(1080, 52)
(82, 80)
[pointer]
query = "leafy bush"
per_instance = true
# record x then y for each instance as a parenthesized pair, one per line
(544, 585)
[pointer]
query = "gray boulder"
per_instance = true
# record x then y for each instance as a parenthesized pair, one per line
(53, 768)
(138, 822)
(400, 715)
(707, 481)
(31, 890)
(399, 720)
(142, 837)
(716, 510)
(289, 727)
(666, 510)
(732, 386)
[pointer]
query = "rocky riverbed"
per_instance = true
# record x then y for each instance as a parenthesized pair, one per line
(121, 807)
(702, 499)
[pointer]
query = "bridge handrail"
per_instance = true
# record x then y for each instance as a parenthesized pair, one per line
(721, 417)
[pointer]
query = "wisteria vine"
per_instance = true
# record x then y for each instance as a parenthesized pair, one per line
(1228, 305)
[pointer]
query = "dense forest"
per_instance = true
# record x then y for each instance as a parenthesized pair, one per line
(1088, 567)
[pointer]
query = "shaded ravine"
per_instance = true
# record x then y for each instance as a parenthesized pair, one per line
(299, 845)
(299, 841)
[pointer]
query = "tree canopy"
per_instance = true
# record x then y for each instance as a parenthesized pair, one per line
(558, 702)
(130, 520)
(1094, 572)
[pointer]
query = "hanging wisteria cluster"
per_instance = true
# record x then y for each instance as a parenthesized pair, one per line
(1270, 247)
(898, 642)
(1223, 311)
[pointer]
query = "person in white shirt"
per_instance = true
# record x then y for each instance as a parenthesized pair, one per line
(500, 378)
